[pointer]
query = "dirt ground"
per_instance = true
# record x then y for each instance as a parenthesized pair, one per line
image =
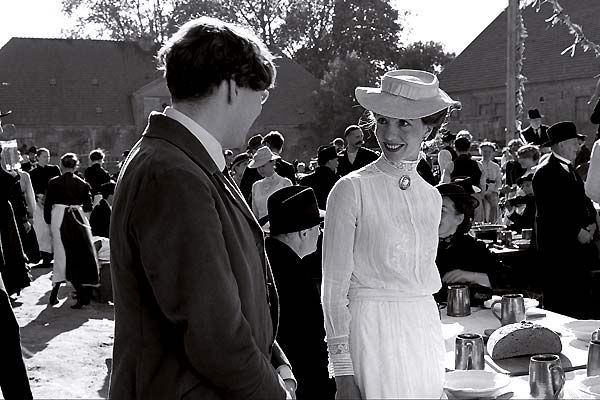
(67, 352)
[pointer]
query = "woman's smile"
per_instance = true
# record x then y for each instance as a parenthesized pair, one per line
(394, 147)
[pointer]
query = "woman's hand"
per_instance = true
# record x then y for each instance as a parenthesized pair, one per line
(346, 388)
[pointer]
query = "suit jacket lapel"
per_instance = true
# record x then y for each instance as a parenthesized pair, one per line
(165, 128)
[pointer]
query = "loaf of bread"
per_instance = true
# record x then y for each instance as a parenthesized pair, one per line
(522, 339)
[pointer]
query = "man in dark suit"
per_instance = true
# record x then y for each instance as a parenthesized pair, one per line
(324, 176)
(354, 156)
(274, 140)
(565, 225)
(250, 175)
(96, 175)
(295, 227)
(189, 271)
(536, 132)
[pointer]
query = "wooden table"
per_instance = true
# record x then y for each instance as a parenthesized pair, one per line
(574, 351)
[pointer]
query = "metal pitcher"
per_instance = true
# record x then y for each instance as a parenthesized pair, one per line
(593, 363)
(546, 376)
(468, 351)
(459, 302)
(512, 309)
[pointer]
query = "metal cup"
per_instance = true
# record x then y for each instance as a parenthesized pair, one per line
(596, 334)
(468, 351)
(546, 376)
(512, 309)
(459, 302)
(527, 234)
(593, 364)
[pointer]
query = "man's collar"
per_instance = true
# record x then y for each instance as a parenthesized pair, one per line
(561, 158)
(212, 145)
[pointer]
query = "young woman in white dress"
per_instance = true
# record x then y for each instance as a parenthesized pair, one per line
(264, 162)
(383, 329)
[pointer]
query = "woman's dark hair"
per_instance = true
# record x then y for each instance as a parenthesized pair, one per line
(368, 122)
(69, 160)
(207, 51)
(464, 204)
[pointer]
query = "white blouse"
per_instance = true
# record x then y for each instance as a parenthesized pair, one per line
(262, 189)
(490, 171)
(376, 236)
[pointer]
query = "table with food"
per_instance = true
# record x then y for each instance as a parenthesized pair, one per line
(510, 348)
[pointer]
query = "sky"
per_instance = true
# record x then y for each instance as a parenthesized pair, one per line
(454, 23)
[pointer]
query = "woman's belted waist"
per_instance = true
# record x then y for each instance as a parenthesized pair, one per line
(376, 294)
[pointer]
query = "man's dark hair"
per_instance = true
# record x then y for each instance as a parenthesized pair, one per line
(462, 144)
(32, 150)
(207, 51)
(255, 142)
(69, 160)
(274, 140)
(42, 150)
(96, 155)
(351, 128)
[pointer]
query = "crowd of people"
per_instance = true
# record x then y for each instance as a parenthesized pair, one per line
(248, 276)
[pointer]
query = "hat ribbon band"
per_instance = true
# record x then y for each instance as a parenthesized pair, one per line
(410, 92)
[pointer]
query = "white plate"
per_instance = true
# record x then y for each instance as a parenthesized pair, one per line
(472, 384)
(583, 329)
(590, 385)
(529, 303)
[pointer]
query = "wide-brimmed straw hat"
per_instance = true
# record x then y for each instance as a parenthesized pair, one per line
(407, 94)
(261, 157)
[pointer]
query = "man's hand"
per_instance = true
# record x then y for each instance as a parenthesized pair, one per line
(290, 387)
(584, 236)
(346, 388)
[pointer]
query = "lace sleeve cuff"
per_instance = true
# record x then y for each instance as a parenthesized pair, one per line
(340, 363)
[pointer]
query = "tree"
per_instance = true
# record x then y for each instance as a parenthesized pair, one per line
(429, 56)
(335, 100)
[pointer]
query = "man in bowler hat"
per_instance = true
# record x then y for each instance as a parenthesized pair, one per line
(196, 311)
(295, 227)
(565, 225)
(536, 132)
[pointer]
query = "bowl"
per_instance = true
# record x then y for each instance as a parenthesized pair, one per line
(473, 384)
(583, 329)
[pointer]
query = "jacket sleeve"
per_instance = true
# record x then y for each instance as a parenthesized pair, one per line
(592, 182)
(185, 258)
(595, 117)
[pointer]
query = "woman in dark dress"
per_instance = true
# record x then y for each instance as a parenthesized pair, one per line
(460, 257)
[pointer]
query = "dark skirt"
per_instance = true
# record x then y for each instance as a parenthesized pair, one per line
(81, 262)
(13, 264)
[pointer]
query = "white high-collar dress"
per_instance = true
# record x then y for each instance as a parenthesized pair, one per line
(379, 274)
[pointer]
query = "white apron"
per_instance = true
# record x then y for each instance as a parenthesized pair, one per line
(42, 229)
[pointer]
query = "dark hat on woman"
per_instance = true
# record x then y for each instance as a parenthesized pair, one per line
(561, 131)
(326, 153)
(293, 209)
(457, 192)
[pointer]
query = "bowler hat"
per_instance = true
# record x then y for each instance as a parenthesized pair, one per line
(293, 209)
(561, 131)
(405, 93)
(326, 153)
(261, 157)
(534, 114)
(4, 114)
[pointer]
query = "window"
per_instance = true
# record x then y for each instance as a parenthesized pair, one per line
(484, 109)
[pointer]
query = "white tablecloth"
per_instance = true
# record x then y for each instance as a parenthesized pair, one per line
(574, 351)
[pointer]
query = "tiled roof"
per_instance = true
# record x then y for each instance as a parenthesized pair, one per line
(482, 64)
(291, 102)
(72, 82)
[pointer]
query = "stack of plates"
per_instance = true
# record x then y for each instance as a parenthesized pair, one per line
(474, 384)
